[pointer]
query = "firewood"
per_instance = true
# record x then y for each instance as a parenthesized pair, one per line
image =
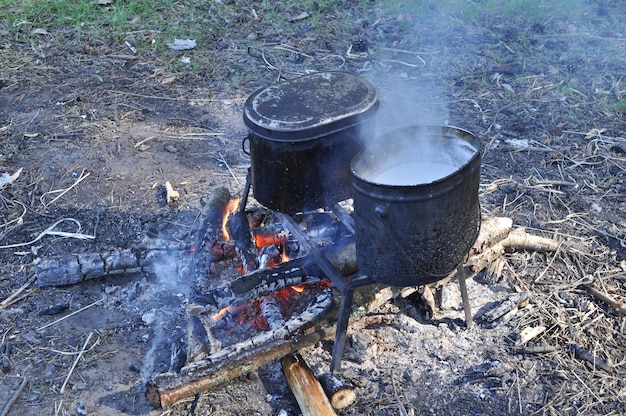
(306, 388)
(271, 312)
(519, 239)
(504, 307)
(591, 358)
(165, 389)
(240, 233)
(340, 393)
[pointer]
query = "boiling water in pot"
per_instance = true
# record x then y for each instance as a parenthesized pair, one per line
(425, 163)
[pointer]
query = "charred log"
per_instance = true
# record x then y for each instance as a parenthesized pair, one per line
(241, 234)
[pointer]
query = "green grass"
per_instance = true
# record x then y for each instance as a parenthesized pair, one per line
(618, 106)
(115, 20)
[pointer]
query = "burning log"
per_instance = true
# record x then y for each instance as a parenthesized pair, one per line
(271, 312)
(305, 387)
(292, 273)
(240, 233)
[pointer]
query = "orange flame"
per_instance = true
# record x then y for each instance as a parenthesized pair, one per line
(298, 288)
(264, 240)
(220, 314)
(232, 206)
(285, 258)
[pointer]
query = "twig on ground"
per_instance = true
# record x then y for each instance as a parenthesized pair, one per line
(140, 142)
(222, 159)
(82, 351)
(50, 231)
(15, 396)
(401, 407)
(71, 314)
(619, 307)
(83, 175)
(9, 301)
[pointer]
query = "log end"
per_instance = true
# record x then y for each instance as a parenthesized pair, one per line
(152, 396)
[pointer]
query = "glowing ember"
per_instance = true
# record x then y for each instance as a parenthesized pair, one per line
(298, 288)
(220, 314)
(270, 239)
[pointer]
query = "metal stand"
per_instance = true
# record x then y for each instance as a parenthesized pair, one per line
(460, 271)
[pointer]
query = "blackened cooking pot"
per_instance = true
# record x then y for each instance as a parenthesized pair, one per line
(416, 204)
(303, 133)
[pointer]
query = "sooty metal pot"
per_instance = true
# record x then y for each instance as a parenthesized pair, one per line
(303, 133)
(416, 204)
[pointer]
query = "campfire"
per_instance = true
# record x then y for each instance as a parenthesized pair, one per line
(269, 278)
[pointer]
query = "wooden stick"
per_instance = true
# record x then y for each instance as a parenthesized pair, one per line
(340, 393)
(8, 301)
(587, 356)
(306, 388)
(14, 398)
(619, 307)
(521, 240)
(78, 357)
(71, 314)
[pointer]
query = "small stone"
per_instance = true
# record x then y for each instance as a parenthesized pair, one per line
(148, 318)
(171, 148)
(81, 409)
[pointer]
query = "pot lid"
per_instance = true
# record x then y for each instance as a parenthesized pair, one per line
(310, 106)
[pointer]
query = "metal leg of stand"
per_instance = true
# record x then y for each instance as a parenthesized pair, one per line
(342, 328)
(460, 271)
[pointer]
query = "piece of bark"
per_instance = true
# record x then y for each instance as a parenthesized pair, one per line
(529, 333)
(505, 307)
(306, 388)
(340, 393)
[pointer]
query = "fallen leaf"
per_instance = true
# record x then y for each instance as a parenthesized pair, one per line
(301, 16)
(5, 178)
(182, 44)
(593, 133)
(168, 80)
(40, 31)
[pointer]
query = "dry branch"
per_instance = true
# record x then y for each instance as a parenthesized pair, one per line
(620, 308)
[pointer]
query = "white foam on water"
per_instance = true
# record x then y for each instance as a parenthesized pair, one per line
(426, 163)
(413, 173)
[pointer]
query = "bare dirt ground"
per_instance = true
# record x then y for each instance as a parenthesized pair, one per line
(97, 132)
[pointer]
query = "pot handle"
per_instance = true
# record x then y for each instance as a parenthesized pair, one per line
(243, 145)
